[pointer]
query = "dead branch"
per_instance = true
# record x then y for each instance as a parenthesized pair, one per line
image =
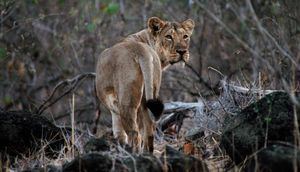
(244, 90)
(70, 83)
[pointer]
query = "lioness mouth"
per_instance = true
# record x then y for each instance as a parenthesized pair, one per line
(180, 59)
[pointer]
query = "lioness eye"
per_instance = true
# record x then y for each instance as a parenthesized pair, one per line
(185, 36)
(169, 37)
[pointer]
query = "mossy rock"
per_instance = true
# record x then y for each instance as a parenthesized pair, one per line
(274, 158)
(100, 162)
(23, 133)
(177, 161)
(268, 120)
(94, 162)
(97, 145)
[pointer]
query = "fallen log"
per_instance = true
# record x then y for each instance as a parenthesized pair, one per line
(176, 112)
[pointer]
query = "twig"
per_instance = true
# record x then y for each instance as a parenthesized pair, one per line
(236, 37)
(201, 80)
(9, 13)
(98, 115)
(72, 83)
(79, 111)
(29, 21)
(264, 31)
(73, 126)
(216, 70)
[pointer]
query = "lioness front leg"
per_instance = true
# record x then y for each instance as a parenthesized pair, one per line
(128, 119)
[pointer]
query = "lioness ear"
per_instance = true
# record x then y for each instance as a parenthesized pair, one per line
(155, 25)
(188, 25)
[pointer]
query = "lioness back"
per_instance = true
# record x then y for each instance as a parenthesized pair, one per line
(119, 65)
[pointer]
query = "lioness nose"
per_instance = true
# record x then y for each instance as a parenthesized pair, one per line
(181, 52)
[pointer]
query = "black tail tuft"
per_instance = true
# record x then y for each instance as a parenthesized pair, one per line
(156, 107)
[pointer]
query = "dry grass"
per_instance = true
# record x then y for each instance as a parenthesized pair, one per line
(209, 117)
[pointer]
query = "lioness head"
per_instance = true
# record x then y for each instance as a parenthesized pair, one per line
(172, 39)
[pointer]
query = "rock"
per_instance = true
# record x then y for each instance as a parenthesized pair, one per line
(48, 168)
(194, 134)
(274, 158)
(94, 162)
(144, 163)
(96, 144)
(246, 132)
(23, 133)
(177, 161)
(52, 168)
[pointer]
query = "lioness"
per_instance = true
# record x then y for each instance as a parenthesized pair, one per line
(128, 77)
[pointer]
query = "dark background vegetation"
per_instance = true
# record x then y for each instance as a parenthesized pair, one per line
(251, 43)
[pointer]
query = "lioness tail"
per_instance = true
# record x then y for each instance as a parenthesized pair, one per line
(156, 107)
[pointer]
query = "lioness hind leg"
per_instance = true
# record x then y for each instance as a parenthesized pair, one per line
(148, 132)
(147, 127)
(128, 119)
(118, 129)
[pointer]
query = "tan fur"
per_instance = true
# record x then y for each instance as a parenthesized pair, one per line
(129, 73)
